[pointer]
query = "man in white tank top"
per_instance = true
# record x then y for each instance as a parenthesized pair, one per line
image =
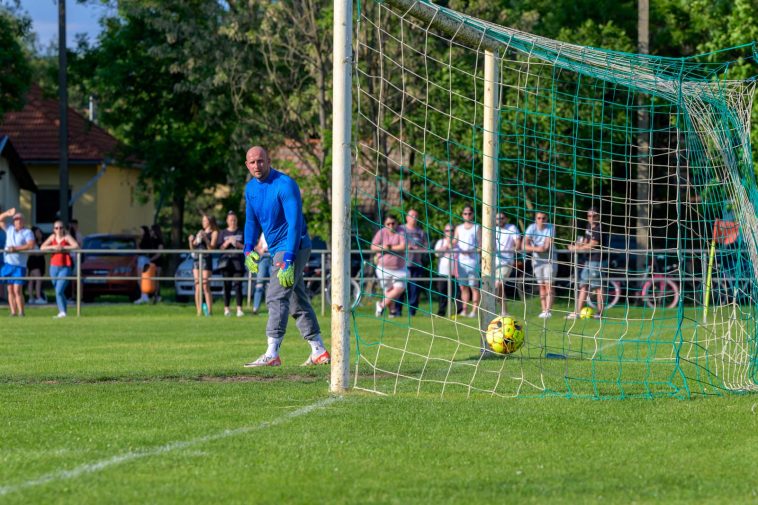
(468, 241)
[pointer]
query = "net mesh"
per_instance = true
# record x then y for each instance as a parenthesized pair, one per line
(658, 147)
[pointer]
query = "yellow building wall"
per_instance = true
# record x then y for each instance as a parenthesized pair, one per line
(107, 206)
(119, 209)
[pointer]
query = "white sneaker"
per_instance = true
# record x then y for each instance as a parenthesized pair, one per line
(264, 360)
(548, 314)
(571, 315)
(227, 313)
(60, 315)
(379, 309)
(41, 301)
(139, 301)
(542, 315)
(240, 313)
(471, 314)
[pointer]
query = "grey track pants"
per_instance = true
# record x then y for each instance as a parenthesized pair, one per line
(293, 301)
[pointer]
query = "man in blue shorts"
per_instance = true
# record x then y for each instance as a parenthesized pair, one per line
(17, 239)
(591, 277)
(274, 206)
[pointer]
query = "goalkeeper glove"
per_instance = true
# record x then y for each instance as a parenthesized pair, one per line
(286, 274)
(251, 262)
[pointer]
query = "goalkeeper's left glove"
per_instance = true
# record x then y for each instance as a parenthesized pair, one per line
(286, 274)
(251, 262)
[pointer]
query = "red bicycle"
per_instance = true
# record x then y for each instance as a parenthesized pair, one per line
(661, 290)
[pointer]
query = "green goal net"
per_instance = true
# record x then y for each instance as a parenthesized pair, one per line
(588, 232)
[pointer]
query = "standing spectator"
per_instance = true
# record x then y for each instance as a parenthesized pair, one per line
(150, 264)
(157, 258)
(274, 207)
(416, 254)
(591, 275)
(389, 247)
(36, 266)
(508, 241)
(60, 262)
(445, 251)
(264, 272)
(205, 239)
(468, 240)
(73, 230)
(230, 265)
(17, 239)
(143, 260)
(538, 240)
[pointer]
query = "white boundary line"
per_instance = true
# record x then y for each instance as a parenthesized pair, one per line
(163, 449)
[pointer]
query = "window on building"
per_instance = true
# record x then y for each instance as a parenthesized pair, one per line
(47, 205)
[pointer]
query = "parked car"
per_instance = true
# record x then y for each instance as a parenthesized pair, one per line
(185, 284)
(97, 267)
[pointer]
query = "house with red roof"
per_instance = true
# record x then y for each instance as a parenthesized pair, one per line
(103, 194)
(16, 183)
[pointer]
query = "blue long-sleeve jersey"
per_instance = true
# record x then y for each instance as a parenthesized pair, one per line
(274, 207)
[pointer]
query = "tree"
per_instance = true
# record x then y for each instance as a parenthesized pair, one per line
(16, 74)
(277, 67)
(160, 117)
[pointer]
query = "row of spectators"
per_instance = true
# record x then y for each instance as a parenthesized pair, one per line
(399, 252)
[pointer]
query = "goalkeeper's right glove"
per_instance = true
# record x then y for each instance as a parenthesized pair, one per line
(251, 262)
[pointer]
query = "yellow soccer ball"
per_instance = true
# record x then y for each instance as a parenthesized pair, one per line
(586, 313)
(505, 335)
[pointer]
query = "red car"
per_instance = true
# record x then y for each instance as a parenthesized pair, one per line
(97, 267)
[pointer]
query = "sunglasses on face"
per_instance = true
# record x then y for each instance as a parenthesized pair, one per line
(390, 223)
(57, 227)
(540, 219)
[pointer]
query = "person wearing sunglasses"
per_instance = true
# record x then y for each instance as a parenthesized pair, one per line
(508, 241)
(468, 240)
(389, 248)
(18, 238)
(538, 240)
(61, 263)
(417, 255)
(591, 275)
(446, 266)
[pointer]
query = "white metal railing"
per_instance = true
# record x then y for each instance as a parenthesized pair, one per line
(682, 275)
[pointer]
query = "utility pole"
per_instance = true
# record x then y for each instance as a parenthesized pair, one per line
(644, 179)
(63, 108)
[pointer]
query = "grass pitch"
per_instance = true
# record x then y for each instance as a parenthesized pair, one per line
(151, 405)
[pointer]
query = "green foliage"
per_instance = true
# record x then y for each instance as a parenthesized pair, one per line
(157, 99)
(16, 70)
(277, 67)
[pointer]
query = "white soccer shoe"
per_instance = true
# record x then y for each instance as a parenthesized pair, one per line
(264, 360)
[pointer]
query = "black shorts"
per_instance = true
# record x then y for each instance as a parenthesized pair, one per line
(36, 262)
